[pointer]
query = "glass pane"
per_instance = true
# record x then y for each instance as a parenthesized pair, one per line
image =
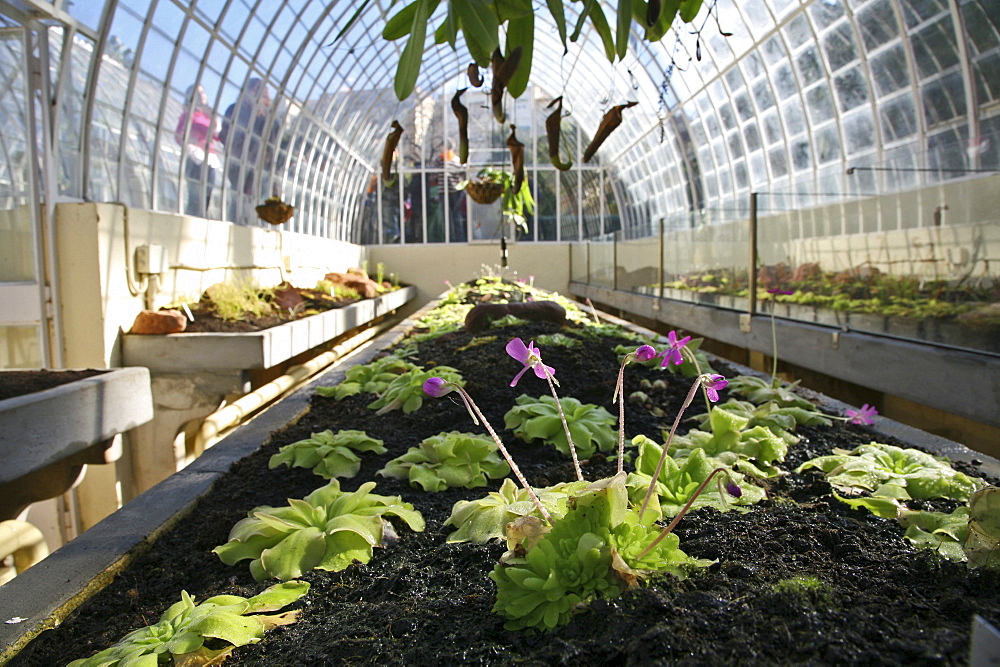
(20, 347)
(852, 89)
(17, 257)
(934, 48)
(877, 23)
(545, 207)
(890, 71)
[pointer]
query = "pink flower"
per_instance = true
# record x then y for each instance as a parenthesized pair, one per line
(864, 415)
(436, 387)
(713, 383)
(531, 357)
(673, 351)
(645, 352)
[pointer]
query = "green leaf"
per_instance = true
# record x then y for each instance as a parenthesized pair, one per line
(624, 26)
(689, 10)
(350, 22)
(603, 29)
(521, 32)
(277, 596)
(480, 26)
(668, 10)
(581, 20)
(299, 552)
(413, 53)
(233, 628)
(558, 13)
(401, 23)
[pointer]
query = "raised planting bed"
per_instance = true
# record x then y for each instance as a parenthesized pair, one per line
(798, 577)
(47, 436)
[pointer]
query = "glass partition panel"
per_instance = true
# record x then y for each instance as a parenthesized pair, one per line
(602, 262)
(932, 281)
(578, 262)
(639, 265)
(707, 264)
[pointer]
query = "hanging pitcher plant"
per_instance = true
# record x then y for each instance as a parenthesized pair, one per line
(480, 23)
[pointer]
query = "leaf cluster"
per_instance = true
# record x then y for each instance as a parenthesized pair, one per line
(181, 632)
(537, 419)
(406, 391)
(448, 460)
(781, 421)
(680, 478)
(593, 551)
(887, 471)
(327, 530)
(751, 450)
(370, 378)
(758, 391)
(480, 23)
(328, 454)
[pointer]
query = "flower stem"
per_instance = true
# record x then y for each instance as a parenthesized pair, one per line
(774, 349)
(562, 416)
(469, 403)
(684, 510)
(666, 446)
(619, 396)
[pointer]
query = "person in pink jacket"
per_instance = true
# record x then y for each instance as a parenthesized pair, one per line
(198, 133)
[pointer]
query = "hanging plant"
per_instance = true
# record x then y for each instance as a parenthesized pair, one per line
(612, 119)
(462, 114)
(553, 127)
(479, 22)
(503, 70)
(391, 142)
(516, 158)
(275, 211)
(490, 184)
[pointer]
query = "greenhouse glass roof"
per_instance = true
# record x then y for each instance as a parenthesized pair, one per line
(805, 100)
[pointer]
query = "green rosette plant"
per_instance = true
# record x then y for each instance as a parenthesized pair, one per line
(596, 550)
(180, 634)
(753, 451)
(329, 454)
(680, 479)
(327, 530)
(486, 518)
(371, 378)
(537, 419)
(893, 472)
(406, 391)
(449, 460)
(781, 421)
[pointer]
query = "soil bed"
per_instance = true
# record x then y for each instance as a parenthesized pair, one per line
(423, 601)
(20, 383)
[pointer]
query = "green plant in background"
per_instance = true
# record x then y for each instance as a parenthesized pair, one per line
(892, 472)
(338, 291)
(327, 530)
(753, 451)
(236, 300)
(558, 339)
(449, 460)
(758, 391)
(370, 378)
(328, 454)
(679, 479)
(179, 636)
(537, 419)
(599, 548)
(406, 391)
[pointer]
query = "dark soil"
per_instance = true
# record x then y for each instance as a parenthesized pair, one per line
(20, 383)
(207, 320)
(422, 601)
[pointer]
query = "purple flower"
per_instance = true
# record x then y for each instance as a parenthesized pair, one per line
(436, 387)
(531, 357)
(645, 352)
(776, 291)
(673, 351)
(733, 489)
(864, 415)
(713, 383)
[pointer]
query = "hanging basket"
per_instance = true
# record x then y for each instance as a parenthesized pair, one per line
(275, 212)
(484, 192)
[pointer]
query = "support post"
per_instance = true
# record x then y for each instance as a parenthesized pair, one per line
(752, 260)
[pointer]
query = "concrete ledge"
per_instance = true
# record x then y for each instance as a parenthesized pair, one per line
(194, 352)
(956, 381)
(43, 428)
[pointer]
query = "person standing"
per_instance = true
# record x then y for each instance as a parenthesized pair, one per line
(198, 134)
